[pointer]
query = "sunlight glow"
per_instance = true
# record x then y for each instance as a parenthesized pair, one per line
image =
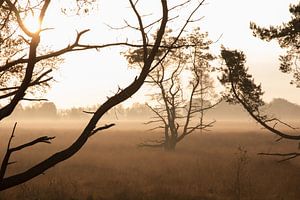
(229, 19)
(32, 23)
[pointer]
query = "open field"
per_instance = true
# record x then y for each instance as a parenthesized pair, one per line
(220, 164)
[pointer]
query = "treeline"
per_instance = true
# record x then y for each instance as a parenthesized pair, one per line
(280, 108)
(49, 111)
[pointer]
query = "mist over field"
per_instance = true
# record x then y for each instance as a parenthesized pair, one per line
(221, 163)
(223, 111)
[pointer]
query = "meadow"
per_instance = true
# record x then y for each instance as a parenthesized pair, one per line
(217, 165)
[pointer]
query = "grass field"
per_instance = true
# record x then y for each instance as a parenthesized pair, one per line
(220, 164)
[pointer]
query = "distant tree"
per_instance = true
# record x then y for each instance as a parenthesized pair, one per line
(241, 89)
(137, 111)
(18, 112)
(43, 110)
(177, 107)
(75, 113)
(288, 37)
(204, 93)
(149, 53)
(48, 110)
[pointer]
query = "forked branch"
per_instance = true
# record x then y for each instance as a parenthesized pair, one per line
(91, 126)
(9, 150)
(237, 78)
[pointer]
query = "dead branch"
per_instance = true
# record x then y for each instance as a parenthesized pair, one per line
(9, 151)
(37, 81)
(152, 143)
(179, 34)
(32, 99)
(5, 161)
(88, 112)
(101, 128)
(276, 120)
(258, 118)
(155, 128)
(287, 156)
(90, 128)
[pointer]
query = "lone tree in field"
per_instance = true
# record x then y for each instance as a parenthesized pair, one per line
(288, 37)
(26, 66)
(241, 89)
(178, 106)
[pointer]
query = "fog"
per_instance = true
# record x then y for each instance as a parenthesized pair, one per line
(212, 165)
(220, 163)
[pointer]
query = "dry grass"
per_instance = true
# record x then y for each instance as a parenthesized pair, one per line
(203, 167)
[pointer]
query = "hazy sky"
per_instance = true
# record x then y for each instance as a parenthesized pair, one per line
(88, 78)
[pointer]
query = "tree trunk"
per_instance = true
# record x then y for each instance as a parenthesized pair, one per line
(170, 144)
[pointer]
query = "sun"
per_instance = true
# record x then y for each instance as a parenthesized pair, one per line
(32, 23)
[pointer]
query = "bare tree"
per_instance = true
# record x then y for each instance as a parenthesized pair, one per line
(179, 109)
(149, 63)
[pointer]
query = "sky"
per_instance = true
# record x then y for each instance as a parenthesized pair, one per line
(88, 78)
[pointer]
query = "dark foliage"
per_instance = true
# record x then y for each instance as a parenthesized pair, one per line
(238, 82)
(288, 37)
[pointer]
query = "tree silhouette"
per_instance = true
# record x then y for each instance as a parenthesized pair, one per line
(241, 86)
(176, 106)
(288, 37)
(241, 89)
(25, 66)
(149, 53)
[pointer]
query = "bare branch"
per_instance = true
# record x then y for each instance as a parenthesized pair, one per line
(37, 81)
(288, 156)
(260, 121)
(101, 128)
(159, 115)
(153, 121)
(179, 34)
(89, 112)
(32, 99)
(155, 128)
(142, 30)
(20, 21)
(43, 139)
(281, 122)
(9, 151)
(5, 161)
(152, 144)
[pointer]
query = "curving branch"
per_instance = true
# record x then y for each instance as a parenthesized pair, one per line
(9, 151)
(102, 128)
(180, 33)
(90, 127)
(142, 29)
(234, 63)
(286, 156)
(37, 81)
(13, 8)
